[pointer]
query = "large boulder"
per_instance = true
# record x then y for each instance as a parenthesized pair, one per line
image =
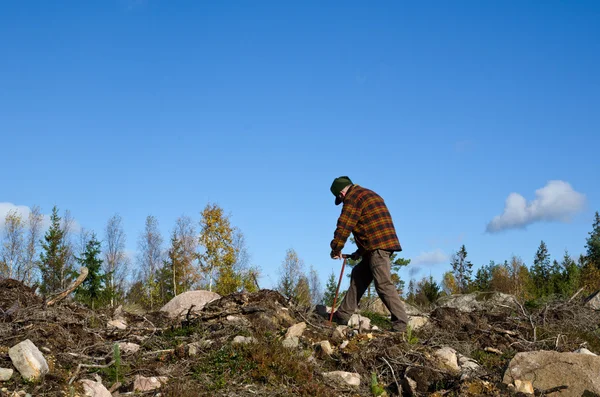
(375, 305)
(549, 369)
(493, 302)
(179, 305)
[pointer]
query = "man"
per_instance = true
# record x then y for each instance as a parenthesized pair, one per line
(365, 215)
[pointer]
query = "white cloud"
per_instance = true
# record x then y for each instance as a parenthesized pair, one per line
(5, 208)
(430, 258)
(24, 211)
(557, 201)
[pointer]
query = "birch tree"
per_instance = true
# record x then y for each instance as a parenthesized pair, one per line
(150, 259)
(116, 261)
(218, 252)
(11, 254)
(31, 263)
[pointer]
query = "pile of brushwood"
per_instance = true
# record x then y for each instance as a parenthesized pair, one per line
(238, 346)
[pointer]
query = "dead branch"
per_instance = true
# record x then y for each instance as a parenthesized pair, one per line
(159, 352)
(89, 366)
(493, 350)
(83, 272)
(576, 293)
(534, 328)
(394, 375)
(308, 322)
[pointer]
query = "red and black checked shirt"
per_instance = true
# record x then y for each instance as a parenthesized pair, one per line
(366, 216)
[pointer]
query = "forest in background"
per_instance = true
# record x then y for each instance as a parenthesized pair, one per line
(212, 254)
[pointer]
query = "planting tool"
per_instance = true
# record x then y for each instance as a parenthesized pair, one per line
(337, 290)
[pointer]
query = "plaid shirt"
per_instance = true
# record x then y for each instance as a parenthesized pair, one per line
(366, 216)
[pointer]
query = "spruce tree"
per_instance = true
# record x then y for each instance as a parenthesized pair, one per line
(330, 288)
(593, 243)
(53, 255)
(571, 275)
(91, 291)
(462, 270)
(540, 271)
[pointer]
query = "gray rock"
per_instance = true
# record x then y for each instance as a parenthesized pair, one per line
(95, 389)
(416, 322)
(295, 330)
(118, 324)
(493, 302)
(447, 356)
(128, 348)
(349, 378)
(243, 339)
(28, 360)
(291, 342)
(326, 347)
(584, 351)
(142, 383)
(5, 374)
(360, 322)
(593, 301)
(179, 305)
(549, 369)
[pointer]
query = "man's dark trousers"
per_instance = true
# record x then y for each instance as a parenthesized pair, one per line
(375, 265)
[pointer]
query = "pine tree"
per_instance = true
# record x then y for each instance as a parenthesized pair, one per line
(397, 265)
(330, 288)
(540, 271)
(92, 291)
(53, 255)
(462, 270)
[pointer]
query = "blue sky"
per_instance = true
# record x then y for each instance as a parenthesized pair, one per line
(148, 107)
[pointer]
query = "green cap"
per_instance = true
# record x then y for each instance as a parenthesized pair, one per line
(338, 185)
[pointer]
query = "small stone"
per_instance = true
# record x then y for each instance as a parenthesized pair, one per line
(291, 342)
(349, 378)
(448, 356)
(243, 339)
(583, 350)
(344, 344)
(118, 324)
(94, 389)
(296, 330)
(142, 383)
(129, 348)
(5, 374)
(326, 347)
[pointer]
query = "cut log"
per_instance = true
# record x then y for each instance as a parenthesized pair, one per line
(83, 272)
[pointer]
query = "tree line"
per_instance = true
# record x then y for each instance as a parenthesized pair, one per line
(546, 278)
(210, 254)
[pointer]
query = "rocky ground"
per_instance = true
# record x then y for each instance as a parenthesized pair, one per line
(260, 344)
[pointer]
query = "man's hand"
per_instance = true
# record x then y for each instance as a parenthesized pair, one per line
(336, 254)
